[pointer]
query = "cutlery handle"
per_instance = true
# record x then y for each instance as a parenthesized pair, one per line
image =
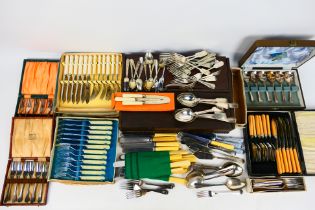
(200, 185)
(238, 192)
(94, 162)
(167, 144)
(98, 142)
(101, 127)
(162, 191)
(166, 148)
(97, 146)
(92, 167)
(98, 152)
(92, 178)
(97, 157)
(90, 172)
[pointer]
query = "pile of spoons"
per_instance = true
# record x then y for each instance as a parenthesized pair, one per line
(217, 111)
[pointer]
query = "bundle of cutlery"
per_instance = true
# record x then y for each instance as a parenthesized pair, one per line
(272, 142)
(37, 87)
(217, 110)
(147, 142)
(146, 75)
(276, 184)
(203, 150)
(27, 182)
(84, 150)
(88, 80)
(36, 106)
(158, 165)
(201, 67)
(139, 188)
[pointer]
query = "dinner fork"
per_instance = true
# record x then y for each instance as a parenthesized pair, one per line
(141, 192)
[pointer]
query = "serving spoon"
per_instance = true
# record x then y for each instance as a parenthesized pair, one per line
(190, 100)
(230, 183)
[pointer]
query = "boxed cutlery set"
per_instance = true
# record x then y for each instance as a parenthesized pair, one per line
(86, 83)
(37, 88)
(170, 113)
(26, 175)
(274, 133)
(84, 150)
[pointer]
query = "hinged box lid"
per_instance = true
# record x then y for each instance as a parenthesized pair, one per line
(31, 137)
(286, 54)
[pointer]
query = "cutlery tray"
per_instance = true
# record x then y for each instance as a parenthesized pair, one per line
(37, 87)
(86, 82)
(26, 174)
(84, 150)
(165, 121)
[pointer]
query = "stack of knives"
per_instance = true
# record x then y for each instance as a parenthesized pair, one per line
(85, 149)
(149, 142)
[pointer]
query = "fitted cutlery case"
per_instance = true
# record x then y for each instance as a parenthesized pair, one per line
(26, 174)
(37, 87)
(166, 122)
(84, 150)
(274, 98)
(86, 82)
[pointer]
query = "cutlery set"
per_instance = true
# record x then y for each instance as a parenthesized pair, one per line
(139, 188)
(272, 140)
(215, 113)
(35, 106)
(37, 88)
(271, 87)
(89, 77)
(277, 184)
(84, 150)
(201, 67)
(27, 182)
(162, 141)
(152, 69)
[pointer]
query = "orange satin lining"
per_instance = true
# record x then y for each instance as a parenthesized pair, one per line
(40, 78)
